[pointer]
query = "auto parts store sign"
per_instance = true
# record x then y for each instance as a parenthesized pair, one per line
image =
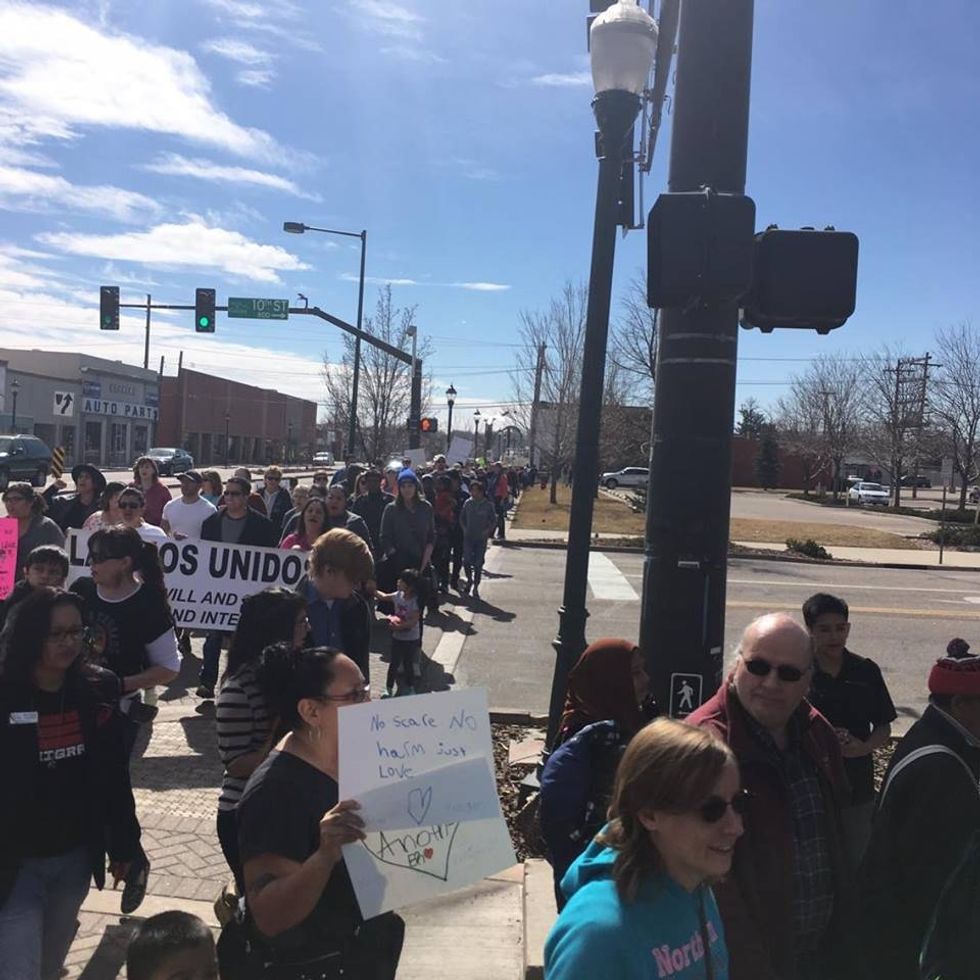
(102, 406)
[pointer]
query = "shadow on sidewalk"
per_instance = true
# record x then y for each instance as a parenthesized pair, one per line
(109, 957)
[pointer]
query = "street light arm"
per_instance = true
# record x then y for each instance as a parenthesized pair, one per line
(335, 231)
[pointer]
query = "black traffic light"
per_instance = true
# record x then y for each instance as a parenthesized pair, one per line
(204, 311)
(428, 424)
(802, 278)
(109, 308)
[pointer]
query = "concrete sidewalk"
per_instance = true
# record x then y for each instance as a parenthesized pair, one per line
(907, 557)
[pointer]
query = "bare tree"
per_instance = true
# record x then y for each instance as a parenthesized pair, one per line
(385, 386)
(955, 400)
(822, 416)
(561, 327)
(633, 344)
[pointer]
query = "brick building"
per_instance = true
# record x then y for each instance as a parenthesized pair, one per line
(217, 420)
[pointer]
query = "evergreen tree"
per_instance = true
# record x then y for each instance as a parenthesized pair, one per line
(767, 463)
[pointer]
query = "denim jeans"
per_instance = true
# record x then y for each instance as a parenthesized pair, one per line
(474, 553)
(38, 920)
(212, 656)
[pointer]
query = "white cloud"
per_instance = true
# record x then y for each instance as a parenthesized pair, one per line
(255, 77)
(27, 190)
(238, 50)
(563, 79)
(262, 18)
(58, 75)
(420, 55)
(175, 165)
(387, 17)
(190, 244)
(481, 287)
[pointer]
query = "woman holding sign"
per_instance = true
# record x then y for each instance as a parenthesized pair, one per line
(292, 826)
(639, 898)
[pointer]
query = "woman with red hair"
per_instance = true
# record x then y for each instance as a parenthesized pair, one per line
(607, 703)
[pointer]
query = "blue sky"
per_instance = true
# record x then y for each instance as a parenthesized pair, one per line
(160, 146)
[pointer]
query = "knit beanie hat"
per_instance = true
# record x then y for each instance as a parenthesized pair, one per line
(407, 475)
(952, 675)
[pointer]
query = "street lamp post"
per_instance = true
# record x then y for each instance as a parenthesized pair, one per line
(227, 430)
(14, 389)
(298, 228)
(622, 41)
(415, 404)
(450, 401)
(476, 433)
(289, 442)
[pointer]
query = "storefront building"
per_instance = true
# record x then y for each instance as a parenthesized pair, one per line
(99, 411)
(219, 421)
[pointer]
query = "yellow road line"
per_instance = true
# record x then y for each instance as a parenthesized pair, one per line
(871, 610)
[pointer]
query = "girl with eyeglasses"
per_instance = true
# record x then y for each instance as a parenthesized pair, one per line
(68, 804)
(639, 898)
(246, 731)
(303, 914)
(132, 508)
(27, 507)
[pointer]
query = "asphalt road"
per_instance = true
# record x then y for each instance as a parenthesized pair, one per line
(902, 619)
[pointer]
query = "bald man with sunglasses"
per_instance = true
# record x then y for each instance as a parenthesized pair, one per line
(785, 904)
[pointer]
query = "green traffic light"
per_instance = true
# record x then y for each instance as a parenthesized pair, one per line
(203, 321)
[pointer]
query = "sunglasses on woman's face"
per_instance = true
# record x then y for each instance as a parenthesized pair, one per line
(129, 505)
(714, 808)
(762, 668)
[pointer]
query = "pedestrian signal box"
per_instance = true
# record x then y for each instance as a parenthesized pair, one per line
(429, 424)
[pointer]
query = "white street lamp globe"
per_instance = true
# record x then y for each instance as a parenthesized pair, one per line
(623, 39)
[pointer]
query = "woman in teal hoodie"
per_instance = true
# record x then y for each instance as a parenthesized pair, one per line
(639, 899)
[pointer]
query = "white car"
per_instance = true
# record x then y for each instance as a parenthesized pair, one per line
(323, 459)
(869, 493)
(631, 476)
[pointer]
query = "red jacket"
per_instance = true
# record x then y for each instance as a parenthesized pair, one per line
(756, 899)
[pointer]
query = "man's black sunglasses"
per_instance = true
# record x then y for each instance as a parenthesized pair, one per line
(713, 808)
(785, 672)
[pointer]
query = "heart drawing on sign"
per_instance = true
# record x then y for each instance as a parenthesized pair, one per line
(419, 802)
(426, 850)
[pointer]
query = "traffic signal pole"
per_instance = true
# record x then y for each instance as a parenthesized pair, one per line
(682, 621)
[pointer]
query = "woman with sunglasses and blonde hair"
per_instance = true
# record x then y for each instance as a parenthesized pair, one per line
(639, 898)
(292, 825)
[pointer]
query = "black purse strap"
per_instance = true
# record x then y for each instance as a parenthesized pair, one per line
(709, 966)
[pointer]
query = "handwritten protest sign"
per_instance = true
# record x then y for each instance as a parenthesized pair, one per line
(206, 580)
(8, 555)
(391, 753)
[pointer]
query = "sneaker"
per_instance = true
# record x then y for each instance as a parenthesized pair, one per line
(135, 889)
(205, 692)
(388, 693)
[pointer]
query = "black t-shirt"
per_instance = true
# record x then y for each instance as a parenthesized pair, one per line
(280, 813)
(123, 629)
(56, 821)
(858, 700)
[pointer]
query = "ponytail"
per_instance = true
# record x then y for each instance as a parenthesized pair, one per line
(287, 676)
(147, 563)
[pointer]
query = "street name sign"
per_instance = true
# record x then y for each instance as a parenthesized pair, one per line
(258, 309)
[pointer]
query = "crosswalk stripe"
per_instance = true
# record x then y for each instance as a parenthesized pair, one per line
(607, 581)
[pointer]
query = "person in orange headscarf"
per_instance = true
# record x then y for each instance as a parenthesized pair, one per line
(607, 703)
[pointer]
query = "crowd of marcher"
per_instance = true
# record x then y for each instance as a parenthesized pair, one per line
(747, 841)
(78, 670)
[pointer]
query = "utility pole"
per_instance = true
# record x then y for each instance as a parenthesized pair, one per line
(926, 364)
(146, 339)
(533, 429)
(682, 624)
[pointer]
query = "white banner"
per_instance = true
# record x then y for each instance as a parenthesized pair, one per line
(207, 580)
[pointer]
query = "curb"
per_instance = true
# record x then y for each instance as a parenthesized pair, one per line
(517, 716)
(759, 556)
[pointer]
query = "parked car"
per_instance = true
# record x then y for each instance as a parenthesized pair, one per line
(917, 481)
(323, 459)
(171, 461)
(869, 493)
(23, 458)
(631, 476)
